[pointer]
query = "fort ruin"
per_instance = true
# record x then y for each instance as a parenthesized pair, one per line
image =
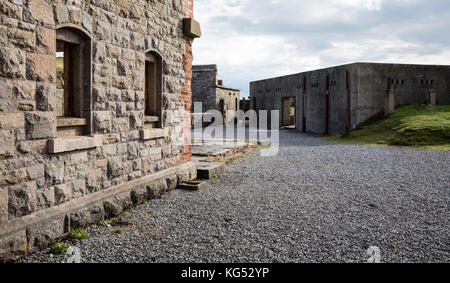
(210, 91)
(108, 130)
(336, 100)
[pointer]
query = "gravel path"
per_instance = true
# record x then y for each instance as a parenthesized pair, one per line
(316, 201)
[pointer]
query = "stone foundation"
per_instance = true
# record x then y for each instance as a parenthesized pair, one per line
(29, 233)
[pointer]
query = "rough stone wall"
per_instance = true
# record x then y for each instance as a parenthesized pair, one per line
(204, 81)
(231, 98)
(368, 83)
(205, 89)
(34, 182)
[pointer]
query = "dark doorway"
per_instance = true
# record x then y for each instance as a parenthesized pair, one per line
(304, 106)
(288, 112)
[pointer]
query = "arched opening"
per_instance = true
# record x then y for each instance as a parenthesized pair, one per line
(73, 69)
(153, 90)
(222, 106)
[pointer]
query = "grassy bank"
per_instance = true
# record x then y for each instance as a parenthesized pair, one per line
(419, 126)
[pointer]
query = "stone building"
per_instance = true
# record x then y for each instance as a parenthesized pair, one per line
(105, 132)
(336, 100)
(206, 88)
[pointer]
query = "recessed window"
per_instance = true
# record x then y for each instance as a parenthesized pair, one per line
(73, 73)
(153, 90)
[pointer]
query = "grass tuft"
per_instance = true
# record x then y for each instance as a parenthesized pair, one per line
(78, 234)
(59, 249)
(419, 126)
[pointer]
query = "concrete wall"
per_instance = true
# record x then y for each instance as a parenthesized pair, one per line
(411, 83)
(231, 98)
(368, 83)
(269, 93)
(50, 184)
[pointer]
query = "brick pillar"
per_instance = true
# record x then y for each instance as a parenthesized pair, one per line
(186, 93)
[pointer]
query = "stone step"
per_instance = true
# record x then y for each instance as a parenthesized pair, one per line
(192, 186)
(207, 170)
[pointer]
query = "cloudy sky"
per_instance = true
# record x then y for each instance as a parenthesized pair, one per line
(256, 39)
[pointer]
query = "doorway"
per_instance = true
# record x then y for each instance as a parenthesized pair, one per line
(288, 112)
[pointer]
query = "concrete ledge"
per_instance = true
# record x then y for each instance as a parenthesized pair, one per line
(27, 234)
(151, 134)
(66, 144)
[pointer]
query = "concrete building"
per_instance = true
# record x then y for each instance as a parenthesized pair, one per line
(336, 100)
(108, 131)
(206, 88)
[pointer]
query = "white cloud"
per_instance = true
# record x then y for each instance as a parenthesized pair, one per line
(256, 39)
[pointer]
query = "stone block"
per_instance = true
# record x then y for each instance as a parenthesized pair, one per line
(113, 51)
(23, 89)
(3, 204)
(120, 125)
(86, 21)
(40, 125)
(137, 119)
(22, 39)
(156, 189)
(46, 40)
(79, 188)
(102, 121)
(12, 63)
(63, 193)
(154, 134)
(42, 232)
(191, 28)
(68, 144)
(7, 143)
(62, 14)
(55, 172)
(13, 240)
(79, 157)
(139, 194)
(99, 52)
(12, 120)
(46, 96)
(45, 198)
(121, 82)
(115, 167)
(114, 206)
(41, 67)
(11, 10)
(12, 177)
(21, 200)
(42, 11)
(35, 171)
(86, 216)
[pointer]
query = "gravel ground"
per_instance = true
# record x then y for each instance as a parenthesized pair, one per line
(316, 201)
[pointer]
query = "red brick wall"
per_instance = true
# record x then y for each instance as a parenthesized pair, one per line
(186, 94)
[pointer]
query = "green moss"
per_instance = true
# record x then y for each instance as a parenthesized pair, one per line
(419, 126)
(78, 234)
(59, 249)
(118, 231)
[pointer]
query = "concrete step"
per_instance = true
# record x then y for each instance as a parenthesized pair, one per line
(207, 170)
